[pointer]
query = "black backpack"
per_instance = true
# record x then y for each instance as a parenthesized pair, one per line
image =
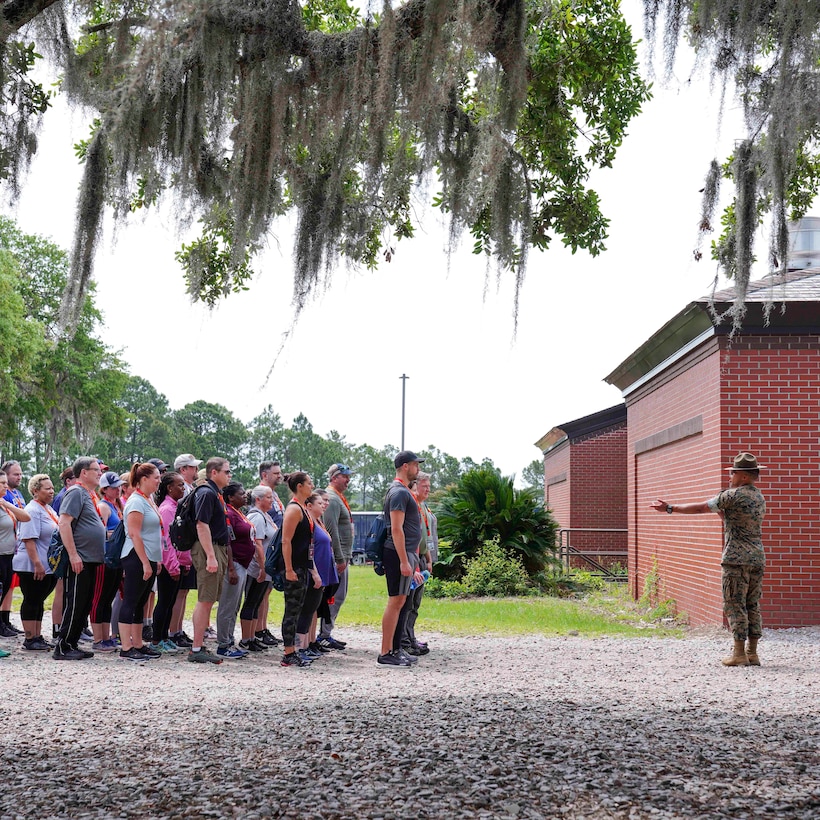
(274, 564)
(182, 531)
(114, 545)
(375, 541)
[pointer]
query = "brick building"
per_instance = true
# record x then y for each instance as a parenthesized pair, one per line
(585, 481)
(695, 397)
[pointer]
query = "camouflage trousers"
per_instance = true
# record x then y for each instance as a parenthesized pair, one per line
(742, 587)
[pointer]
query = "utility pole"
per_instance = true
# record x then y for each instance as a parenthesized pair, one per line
(404, 379)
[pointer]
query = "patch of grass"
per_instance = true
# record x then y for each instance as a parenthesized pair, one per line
(507, 616)
(607, 611)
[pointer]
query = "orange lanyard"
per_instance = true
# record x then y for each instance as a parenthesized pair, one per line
(154, 506)
(344, 501)
(423, 511)
(421, 514)
(311, 522)
(247, 520)
(13, 519)
(94, 502)
(49, 511)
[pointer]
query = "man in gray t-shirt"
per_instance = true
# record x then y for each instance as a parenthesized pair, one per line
(401, 512)
(83, 534)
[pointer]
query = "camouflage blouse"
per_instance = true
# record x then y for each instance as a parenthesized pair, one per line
(743, 509)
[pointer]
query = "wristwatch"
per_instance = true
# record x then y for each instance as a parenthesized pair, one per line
(669, 509)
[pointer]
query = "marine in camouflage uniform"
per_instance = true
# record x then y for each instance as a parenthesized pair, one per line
(742, 508)
(742, 562)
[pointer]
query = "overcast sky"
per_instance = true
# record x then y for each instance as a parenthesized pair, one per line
(473, 389)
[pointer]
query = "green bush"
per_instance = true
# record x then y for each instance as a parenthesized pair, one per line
(436, 588)
(495, 573)
(485, 506)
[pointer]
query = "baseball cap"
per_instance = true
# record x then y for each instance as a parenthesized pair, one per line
(158, 463)
(338, 469)
(186, 460)
(110, 479)
(405, 457)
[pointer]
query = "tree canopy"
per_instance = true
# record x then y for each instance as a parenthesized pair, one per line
(767, 52)
(244, 110)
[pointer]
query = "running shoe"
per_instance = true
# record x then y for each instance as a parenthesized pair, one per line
(203, 656)
(132, 654)
(149, 651)
(251, 646)
(35, 644)
(393, 658)
(407, 657)
(210, 633)
(231, 652)
(315, 646)
(7, 632)
(267, 637)
(104, 646)
(182, 640)
(68, 653)
(294, 659)
(87, 636)
(168, 646)
(329, 642)
(4, 654)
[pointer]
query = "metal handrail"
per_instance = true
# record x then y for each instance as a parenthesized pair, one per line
(566, 551)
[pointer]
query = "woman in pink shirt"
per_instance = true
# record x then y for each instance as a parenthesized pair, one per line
(171, 489)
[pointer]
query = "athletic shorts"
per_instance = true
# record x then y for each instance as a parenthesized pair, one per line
(209, 584)
(398, 584)
(187, 580)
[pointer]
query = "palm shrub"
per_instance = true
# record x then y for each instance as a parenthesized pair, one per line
(485, 506)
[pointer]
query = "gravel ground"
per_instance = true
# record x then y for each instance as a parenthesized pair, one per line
(483, 727)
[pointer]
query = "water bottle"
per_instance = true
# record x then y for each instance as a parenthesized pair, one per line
(425, 576)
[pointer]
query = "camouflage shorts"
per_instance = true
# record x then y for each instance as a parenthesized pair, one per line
(742, 587)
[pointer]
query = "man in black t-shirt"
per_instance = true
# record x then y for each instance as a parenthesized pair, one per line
(209, 553)
(400, 562)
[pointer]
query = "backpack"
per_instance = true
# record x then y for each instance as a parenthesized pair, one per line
(182, 532)
(57, 555)
(114, 545)
(374, 543)
(274, 565)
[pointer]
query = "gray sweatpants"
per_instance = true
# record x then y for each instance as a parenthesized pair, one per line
(229, 600)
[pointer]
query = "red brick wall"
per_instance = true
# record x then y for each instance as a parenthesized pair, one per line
(771, 406)
(759, 393)
(684, 551)
(598, 487)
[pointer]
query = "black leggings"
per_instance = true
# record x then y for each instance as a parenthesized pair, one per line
(313, 597)
(167, 588)
(34, 595)
(294, 598)
(136, 590)
(254, 595)
(106, 584)
(6, 574)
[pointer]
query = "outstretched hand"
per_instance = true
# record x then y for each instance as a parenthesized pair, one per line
(658, 505)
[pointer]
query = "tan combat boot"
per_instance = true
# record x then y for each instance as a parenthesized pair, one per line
(738, 656)
(751, 652)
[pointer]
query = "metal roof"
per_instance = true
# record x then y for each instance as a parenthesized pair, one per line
(780, 303)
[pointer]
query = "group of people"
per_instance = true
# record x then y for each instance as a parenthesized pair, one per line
(136, 606)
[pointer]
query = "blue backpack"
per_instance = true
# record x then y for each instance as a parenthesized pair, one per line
(114, 545)
(274, 565)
